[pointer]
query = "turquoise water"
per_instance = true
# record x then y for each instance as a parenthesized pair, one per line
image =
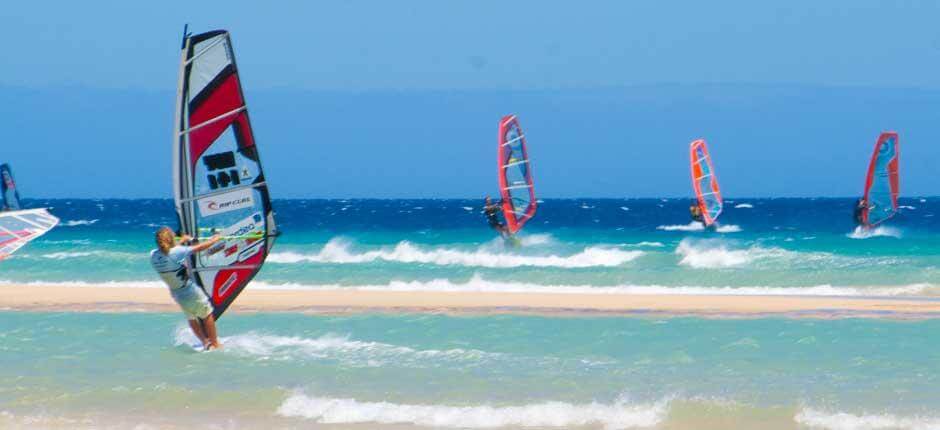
(96, 370)
(292, 370)
(766, 246)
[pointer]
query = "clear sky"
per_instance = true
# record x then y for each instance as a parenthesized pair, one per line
(401, 98)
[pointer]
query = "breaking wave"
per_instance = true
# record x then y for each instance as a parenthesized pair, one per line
(620, 414)
(337, 251)
(846, 421)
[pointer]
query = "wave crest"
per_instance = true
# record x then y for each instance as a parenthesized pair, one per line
(845, 421)
(616, 415)
(337, 251)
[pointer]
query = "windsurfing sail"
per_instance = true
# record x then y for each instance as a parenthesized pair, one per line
(10, 197)
(515, 175)
(704, 182)
(17, 228)
(219, 185)
(882, 184)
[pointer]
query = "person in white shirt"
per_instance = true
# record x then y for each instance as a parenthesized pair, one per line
(171, 261)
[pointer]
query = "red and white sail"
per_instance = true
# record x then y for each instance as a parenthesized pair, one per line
(219, 184)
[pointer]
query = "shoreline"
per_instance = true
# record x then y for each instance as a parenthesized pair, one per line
(17, 297)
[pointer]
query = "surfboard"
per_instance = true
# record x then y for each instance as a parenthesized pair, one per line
(515, 175)
(704, 182)
(18, 226)
(882, 181)
(218, 180)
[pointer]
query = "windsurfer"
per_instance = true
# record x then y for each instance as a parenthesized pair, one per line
(859, 212)
(170, 260)
(695, 211)
(491, 210)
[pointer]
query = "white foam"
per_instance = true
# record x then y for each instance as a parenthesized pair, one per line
(624, 208)
(846, 421)
(76, 223)
(743, 206)
(646, 244)
(337, 348)
(619, 414)
(337, 251)
(907, 207)
(535, 239)
(697, 226)
(692, 226)
(712, 255)
(879, 231)
(68, 255)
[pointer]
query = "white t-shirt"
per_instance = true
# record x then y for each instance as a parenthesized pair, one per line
(173, 266)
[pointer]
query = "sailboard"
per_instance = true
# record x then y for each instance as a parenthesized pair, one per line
(882, 183)
(18, 226)
(219, 185)
(704, 182)
(515, 175)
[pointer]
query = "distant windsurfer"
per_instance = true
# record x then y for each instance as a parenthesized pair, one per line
(491, 210)
(170, 260)
(859, 213)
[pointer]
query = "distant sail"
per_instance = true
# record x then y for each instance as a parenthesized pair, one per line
(219, 185)
(17, 228)
(515, 175)
(882, 185)
(704, 182)
(11, 198)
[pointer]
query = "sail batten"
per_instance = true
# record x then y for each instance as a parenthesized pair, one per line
(704, 182)
(515, 175)
(219, 184)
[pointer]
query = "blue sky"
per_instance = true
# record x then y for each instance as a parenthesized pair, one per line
(401, 99)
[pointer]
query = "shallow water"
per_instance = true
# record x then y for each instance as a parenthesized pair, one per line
(290, 370)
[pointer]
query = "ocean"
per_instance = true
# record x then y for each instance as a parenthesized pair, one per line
(100, 370)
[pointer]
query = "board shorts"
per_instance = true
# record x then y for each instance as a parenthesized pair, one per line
(192, 301)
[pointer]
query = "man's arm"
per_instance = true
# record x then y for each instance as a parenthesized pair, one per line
(205, 245)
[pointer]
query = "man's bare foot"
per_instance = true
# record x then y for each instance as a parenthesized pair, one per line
(212, 347)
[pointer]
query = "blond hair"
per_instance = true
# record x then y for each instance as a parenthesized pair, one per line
(164, 238)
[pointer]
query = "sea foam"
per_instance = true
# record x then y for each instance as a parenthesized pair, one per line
(337, 251)
(846, 421)
(340, 348)
(619, 414)
(879, 231)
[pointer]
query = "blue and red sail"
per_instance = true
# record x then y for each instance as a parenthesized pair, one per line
(882, 182)
(515, 175)
(704, 182)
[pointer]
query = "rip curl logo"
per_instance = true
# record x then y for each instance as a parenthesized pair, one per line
(227, 202)
(213, 205)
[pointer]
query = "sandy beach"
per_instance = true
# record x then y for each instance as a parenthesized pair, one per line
(124, 299)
